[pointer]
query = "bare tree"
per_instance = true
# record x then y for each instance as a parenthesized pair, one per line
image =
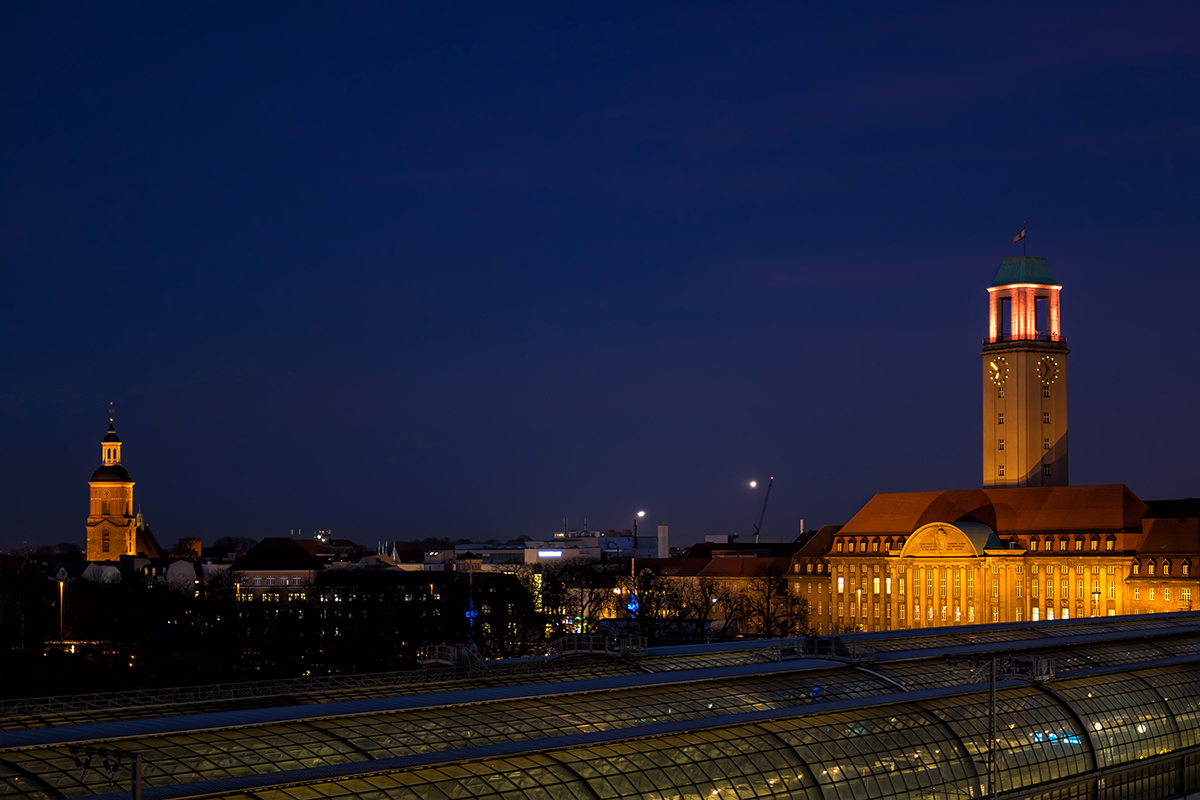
(771, 608)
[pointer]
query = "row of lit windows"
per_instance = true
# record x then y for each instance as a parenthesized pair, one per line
(1186, 566)
(1045, 467)
(1045, 392)
(848, 545)
(1184, 594)
(257, 580)
(1045, 418)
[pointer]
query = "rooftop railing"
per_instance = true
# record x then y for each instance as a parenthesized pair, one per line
(1039, 336)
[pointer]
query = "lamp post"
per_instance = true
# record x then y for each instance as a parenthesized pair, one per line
(639, 515)
(60, 611)
(1095, 604)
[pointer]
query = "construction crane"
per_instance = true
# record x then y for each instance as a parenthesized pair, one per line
(767, 499)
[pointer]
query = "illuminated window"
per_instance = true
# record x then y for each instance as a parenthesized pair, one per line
(1166, 568)
(875, 546)
(1151, 594)
(1112, 590)
(971, 583)
(851, 545)
(841, 584)
(877, 587)
(1108, 544)
(1016, 616)
(1001, 422)
(1036, 611)
(1137, 594)
(1062, 543)
(1095, 545)
(887, 585)
(1033, 543)
(1187, 568)
(1137, 568)
(1167, 594)
(1001, 444)
(902, 582)
(1045, 417)
(1150, 568)
(958, 583)
(1185, 594)
(1033, 587)
(995, 589)
(840, 547)
(1078, 545)
(809, 569)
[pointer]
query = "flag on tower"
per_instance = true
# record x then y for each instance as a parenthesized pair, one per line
(1020, 235)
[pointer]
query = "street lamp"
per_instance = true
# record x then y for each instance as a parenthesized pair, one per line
(60, 611)
(640, 514)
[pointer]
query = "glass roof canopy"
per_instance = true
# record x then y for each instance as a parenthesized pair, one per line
(895, 729)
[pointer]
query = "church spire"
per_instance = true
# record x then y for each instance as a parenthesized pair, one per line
(111, 445)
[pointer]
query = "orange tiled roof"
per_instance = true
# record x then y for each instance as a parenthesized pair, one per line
(1016, 510)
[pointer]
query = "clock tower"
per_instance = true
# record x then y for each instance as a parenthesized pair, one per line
(112, 528)
(1024, 378)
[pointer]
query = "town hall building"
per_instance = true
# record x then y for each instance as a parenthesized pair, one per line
(1027, 545)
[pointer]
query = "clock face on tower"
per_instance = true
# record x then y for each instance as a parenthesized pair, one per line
(1047, 369)
(998, 370)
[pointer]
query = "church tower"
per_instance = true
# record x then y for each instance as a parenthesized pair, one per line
(111, 525)
(1024, 378)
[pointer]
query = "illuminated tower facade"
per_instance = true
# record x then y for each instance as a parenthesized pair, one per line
(111, 525)
(1024, 378)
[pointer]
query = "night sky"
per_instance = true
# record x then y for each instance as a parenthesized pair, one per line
(402, 272)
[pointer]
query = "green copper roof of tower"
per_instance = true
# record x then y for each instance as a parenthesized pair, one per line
(1024, 269)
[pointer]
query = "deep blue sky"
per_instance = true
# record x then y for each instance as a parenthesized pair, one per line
(400, 272)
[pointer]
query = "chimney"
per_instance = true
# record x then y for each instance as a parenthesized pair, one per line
(664, 550)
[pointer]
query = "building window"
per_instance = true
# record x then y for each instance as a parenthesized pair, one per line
(1079, 592)
(1150, 568)
(1095, 545)
(1045, 444)
(851, 545)
(1185, 594)
(270, 580)
(1049, 613)
(283, 581)
(841, 584)
(902, 582)
(958, 583)
(1036, 613)
(877, 587)
(1001, 444)
(1033, 543)
(1033, 587)
(1017, 615)
(930, 612)
(1020, 588)
(1166, 568)
(1045, 469)
(1108, 544)
(887, 585)
(995, 589)
(258, 580)
(839, 545)
(1137, 568)
(1151, 594)
(1001, 473)
(943, 588)
(1001, 422)
(1066, 589)
(971, 583)
(841, 609)
(875, 546)
(1187, 568)
(1049, 587)
(1045, 417)
(1045, 391)
(1078, 545)
(1062, 543)
(1112, 590)
(1001, 394)
(1167, 594)
(1137, 593)
(929, 582)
